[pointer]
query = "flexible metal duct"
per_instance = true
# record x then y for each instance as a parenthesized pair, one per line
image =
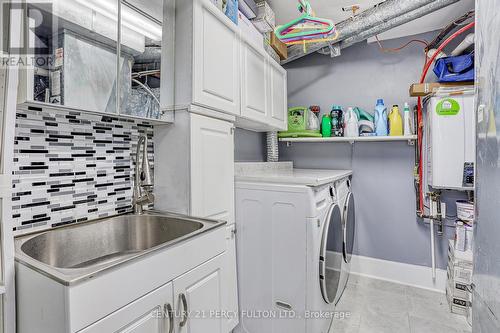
(272, 147)
(383, 17)
(405, 18)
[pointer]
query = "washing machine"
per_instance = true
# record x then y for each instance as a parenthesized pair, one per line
(282, 217)
(337, 250)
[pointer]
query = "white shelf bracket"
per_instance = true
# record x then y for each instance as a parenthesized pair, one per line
(411, 142)
(288, 144)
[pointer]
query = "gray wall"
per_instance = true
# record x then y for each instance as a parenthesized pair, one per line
(387, 227)
(249, 146)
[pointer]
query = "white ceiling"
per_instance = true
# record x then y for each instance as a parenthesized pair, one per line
(286, 10)
(151, 7)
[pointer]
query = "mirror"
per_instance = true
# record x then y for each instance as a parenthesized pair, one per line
(73, 55)
(73, 48)
(141, 49)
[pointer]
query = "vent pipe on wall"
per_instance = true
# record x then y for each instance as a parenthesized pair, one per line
(385, 16)
(272, 146)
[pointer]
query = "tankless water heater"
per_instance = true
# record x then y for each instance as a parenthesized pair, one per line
(451, 149)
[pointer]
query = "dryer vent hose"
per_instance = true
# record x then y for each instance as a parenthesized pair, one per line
(272, 146)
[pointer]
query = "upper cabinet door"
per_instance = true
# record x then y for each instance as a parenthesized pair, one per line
(254, 83)
(278, 95)
(215, 59)
(212, 168)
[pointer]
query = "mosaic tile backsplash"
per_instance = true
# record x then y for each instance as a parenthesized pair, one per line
(71, 167)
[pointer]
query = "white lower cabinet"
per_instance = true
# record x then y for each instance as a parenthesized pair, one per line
(195, 302)
(230, 280)
(194, 175)
(199, 299)
(152, 313)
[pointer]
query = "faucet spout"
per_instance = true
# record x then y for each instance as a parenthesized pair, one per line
(143, 181)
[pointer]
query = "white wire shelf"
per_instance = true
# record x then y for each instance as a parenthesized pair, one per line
(410, 139)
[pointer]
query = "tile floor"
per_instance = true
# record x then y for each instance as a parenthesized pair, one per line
(379, 306)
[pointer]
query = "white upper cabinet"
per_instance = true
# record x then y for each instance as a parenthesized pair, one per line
(218, 68)
(216, 60)
(254, 82)
(278, 99)
(207, 64)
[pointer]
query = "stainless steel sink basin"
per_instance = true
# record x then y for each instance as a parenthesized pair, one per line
(73, 253)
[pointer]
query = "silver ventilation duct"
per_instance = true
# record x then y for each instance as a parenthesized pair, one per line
(383, 17)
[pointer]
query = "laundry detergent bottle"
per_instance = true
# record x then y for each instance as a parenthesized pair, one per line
(351, 123)
(380, 118)
(395, 122)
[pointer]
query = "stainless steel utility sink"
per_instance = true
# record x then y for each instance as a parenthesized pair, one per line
(73, 253)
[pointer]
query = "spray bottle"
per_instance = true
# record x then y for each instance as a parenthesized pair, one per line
(407, 120)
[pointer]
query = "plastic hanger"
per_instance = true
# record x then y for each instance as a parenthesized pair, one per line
(307, 28)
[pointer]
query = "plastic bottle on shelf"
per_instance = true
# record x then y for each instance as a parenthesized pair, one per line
(326, 126)
(395, 122)
(337, 117)
(407, 120)
(380, 118)
(351, 127)
(313, 118)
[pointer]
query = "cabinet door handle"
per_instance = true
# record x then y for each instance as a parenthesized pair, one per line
(167, 308)
(182, 298)
(284, 305)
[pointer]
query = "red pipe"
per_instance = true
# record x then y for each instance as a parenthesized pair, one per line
(419, 110)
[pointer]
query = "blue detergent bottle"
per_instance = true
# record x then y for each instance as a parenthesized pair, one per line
(381, 119)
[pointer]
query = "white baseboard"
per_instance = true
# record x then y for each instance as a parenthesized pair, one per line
(410, 275)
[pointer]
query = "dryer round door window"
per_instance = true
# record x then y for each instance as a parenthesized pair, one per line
(332, 244)
(349, 216)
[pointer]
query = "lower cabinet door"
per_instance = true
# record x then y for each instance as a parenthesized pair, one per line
(230, 279)
(199, 299)
(152, 313)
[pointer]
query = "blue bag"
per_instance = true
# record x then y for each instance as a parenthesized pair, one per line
(455, 69)
(231, 10)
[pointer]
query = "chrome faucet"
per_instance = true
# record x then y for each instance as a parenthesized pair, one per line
(143, 184)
